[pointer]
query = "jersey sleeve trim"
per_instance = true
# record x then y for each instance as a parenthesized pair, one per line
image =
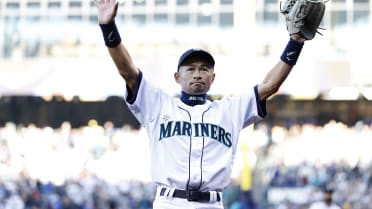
(261, 106)
(131, 96)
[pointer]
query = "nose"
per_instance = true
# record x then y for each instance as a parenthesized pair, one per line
(197, 73)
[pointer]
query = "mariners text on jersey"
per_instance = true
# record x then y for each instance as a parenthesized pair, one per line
(184, 128)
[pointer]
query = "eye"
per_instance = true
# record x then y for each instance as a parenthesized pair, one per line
(205, 69)
(190, 69)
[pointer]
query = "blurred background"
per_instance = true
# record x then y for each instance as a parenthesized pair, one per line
(67, 140)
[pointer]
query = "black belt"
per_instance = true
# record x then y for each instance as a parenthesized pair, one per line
(192, 195)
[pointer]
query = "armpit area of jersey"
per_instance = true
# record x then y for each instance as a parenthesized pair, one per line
(261, 106)
(131, 96)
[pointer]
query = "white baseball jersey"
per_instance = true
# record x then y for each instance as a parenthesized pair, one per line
(323, 205)
(192, 147)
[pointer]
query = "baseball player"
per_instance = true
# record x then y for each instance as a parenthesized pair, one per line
(327, 202)
(193, 141)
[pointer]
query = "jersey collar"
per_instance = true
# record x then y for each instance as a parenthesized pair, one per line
(193, 100)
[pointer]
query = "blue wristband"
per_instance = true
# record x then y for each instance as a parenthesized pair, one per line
(292, 52)
(110, 34)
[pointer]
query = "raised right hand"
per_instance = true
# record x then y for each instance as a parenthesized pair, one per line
(107, 10)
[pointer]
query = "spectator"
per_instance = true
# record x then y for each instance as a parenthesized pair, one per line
(245, 201)
(326, 202)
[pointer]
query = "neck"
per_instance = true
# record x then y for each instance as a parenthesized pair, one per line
(193, 100)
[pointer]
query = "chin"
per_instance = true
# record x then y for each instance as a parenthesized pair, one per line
(198, 92)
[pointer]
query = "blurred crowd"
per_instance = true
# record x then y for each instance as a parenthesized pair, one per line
(105, 167)
(352, 185)
(306, 158)
(83, 193)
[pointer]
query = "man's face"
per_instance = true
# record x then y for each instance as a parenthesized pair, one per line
(195, 76)
(328, 197)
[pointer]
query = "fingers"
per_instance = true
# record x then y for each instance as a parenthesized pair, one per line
(100, 2)
(111, 1)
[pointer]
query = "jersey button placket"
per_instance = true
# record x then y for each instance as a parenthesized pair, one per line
(195, 162)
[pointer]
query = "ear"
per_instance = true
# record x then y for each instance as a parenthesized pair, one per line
(177, 77)
(214, 76)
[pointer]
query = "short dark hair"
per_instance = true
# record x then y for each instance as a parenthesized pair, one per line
(328, 189)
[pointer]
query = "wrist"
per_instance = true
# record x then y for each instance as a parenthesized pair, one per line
(110, 34)
(292, 52)
(297, 37)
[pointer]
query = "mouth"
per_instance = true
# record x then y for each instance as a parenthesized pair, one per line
(197, 83)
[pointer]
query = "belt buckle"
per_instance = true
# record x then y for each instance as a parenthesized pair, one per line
(193, 195)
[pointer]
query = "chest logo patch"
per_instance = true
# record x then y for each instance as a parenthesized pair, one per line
(183, 128)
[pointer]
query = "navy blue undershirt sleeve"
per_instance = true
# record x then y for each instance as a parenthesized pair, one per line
(261, 106)
(131, 96)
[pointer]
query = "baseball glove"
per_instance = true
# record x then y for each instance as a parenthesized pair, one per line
(303, 16)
